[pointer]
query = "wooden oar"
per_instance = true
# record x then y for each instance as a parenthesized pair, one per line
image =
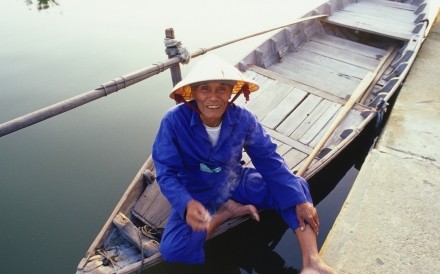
(205, 50)
(380, 69)
(363, 86)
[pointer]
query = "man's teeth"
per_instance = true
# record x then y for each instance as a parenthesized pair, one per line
(213, 107)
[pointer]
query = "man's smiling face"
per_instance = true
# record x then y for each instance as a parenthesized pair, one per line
(212, 100)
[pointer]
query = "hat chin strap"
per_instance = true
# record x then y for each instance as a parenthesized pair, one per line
(245, 90)
(179, 99)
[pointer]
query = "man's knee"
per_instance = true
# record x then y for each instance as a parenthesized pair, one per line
(252, 189)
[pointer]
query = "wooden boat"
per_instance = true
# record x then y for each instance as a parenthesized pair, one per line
(321, 82)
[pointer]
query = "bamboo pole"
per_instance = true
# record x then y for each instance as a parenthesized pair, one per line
(116, 85)
(87, 97)
(202, 51)
(381, 67)
(360, 90)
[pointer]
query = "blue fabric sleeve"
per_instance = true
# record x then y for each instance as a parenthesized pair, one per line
(168, 164)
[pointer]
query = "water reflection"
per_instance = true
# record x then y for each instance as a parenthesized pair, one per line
(42, 4)
(251, 248)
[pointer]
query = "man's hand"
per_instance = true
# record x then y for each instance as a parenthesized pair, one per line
(306, 212)
(197, 217)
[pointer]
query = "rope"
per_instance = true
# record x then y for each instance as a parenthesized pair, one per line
(142, 251)
(183, 52)
(105, 89)
(160, 67)
(125, 81)
(116, 83)
(152, 233)
(109, 259)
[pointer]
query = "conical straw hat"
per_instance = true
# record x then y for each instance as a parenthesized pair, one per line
(212, 68)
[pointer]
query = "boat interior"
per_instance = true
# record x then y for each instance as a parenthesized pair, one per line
(307, 72)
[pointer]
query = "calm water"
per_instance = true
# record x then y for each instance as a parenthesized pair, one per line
(60, 179)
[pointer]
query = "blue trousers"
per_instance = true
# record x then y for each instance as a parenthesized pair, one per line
(181, 244)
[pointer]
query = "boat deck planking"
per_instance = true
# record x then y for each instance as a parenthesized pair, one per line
(299, 85)
(347, 45)
(378, 17)
(279, 112)
(302, 116)
(152, 208)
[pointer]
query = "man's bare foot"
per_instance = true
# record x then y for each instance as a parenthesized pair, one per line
(318, 266)
(228, 210)
(233, 209)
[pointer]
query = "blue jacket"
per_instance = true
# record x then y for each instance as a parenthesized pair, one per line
(188, 167)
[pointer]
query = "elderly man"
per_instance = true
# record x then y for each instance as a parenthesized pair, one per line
(197, 154)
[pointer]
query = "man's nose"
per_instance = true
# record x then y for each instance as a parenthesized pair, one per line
(213, 95)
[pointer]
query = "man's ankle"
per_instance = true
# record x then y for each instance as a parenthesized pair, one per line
(311, 260)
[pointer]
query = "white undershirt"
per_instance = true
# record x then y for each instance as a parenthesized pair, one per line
(213, 133)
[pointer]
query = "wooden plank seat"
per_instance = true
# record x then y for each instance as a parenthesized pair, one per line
(152, 208)
(379, 17)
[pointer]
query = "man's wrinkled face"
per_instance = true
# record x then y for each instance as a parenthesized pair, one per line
(212, 100)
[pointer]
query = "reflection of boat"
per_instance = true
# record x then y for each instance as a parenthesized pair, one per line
(309, 73)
